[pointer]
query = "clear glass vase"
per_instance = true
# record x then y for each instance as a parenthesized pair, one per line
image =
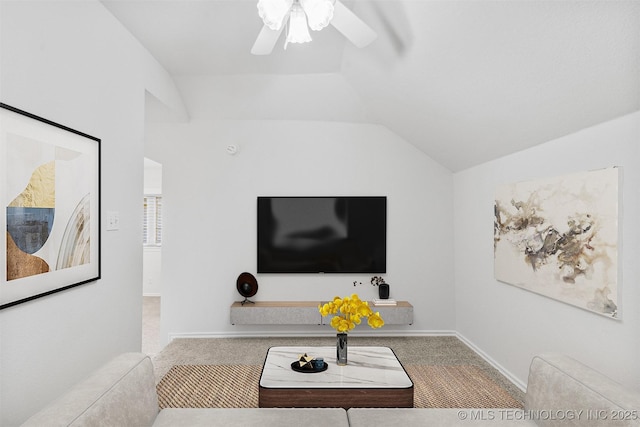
(341, 349)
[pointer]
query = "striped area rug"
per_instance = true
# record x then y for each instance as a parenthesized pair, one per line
(236, 386)
(460, 386)
(210, 386)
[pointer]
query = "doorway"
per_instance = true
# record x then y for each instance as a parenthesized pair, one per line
(152, 257)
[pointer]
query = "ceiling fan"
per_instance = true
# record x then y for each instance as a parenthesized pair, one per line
(300, 15)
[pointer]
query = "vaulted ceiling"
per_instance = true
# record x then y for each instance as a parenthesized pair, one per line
(464, 81)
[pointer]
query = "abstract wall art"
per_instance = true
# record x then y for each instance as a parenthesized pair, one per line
(558, 237)
(50, 191)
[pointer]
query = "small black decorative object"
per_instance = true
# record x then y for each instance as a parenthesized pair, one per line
(307, 364)
(310, 370)
(383, 290)
(247, 285)
(383, 287)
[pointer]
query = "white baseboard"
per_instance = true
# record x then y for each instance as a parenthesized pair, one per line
(515, 380)
(146, 294)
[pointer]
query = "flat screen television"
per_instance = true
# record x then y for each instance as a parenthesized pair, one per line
(322, 235)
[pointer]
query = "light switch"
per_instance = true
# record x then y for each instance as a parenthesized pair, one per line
(113, 221)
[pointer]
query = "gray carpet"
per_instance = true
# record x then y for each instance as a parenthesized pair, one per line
(437, 351)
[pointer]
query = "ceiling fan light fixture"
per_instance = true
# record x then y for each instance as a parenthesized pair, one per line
(273, 12)
(319, 12)
(298, 29)
(300, 15)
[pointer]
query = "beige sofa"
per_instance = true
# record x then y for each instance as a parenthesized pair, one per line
(561, 391)
(123, 394)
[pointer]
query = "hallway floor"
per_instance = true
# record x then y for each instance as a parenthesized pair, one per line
(151, 325)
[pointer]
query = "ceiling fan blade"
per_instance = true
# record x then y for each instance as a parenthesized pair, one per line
(353, 28)
(266, 40)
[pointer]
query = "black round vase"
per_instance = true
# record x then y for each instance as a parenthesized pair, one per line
(383, 291)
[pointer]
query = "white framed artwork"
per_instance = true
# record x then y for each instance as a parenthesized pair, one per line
(559, 236)
(50, 188)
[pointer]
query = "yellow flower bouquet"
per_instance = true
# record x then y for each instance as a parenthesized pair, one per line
(349, 312)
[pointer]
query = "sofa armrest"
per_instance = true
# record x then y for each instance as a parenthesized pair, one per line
(560, 383)
(121, 393)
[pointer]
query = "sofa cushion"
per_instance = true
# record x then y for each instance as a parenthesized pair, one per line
(440, 417)
(262, 417)
(560, 386)
(121, 393)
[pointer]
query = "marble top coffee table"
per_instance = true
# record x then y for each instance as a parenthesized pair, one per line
(372, 378)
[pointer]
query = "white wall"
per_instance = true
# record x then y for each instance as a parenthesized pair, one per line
(152, 177)
(511, 325)
(210, 217)
(72, 62)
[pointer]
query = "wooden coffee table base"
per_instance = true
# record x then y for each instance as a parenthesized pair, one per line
(335, 398)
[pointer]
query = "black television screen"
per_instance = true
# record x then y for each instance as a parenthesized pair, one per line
(322, 234)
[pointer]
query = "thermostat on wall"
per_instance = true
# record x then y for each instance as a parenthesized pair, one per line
(232, 149)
